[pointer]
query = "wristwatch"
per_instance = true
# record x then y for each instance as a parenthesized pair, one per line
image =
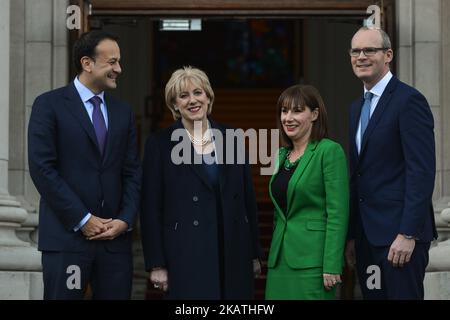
(409, 237)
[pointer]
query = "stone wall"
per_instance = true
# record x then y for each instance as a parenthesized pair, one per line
(36, 61)
(20, 276)
(419, 64)
(424, 62)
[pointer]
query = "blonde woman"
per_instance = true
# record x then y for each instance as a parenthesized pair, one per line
(198, 220)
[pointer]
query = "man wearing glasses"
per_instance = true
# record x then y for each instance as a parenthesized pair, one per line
(392, 166)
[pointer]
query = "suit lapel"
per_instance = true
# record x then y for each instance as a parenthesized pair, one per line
(221, 154)
(112, 126)
(77, 109)
(354, 121)
(303, 164)
(197, 168)
(280, 159)
(376, 116)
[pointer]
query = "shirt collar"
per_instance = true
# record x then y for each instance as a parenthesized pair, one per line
(85, 93)
(378, 89)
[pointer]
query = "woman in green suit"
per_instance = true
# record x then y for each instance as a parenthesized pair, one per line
(309, 190)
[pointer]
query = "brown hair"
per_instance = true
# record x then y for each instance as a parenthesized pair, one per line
(303, 96)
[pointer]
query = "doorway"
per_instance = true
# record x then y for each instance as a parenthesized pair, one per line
(249, 62)
(250, 55)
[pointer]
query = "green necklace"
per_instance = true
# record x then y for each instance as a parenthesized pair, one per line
(288, 165)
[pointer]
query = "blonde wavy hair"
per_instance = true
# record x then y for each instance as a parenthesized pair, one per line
(178, 83)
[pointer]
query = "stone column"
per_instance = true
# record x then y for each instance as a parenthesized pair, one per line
(423, 62)
(39, 41)
(37, 56)
(419, 63)
(19, 182)
(19, 261)
(437, 280)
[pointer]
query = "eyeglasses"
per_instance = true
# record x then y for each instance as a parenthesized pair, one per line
(368, 52)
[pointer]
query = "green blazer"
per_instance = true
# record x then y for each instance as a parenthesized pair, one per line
(314, 228)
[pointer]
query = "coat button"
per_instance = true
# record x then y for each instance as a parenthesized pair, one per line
(361, 200)
(195, 198)
(195, 223)
(359, 174)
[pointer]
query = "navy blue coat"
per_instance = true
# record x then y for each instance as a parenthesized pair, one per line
(392, 179)
(179, 223)
(72, 177)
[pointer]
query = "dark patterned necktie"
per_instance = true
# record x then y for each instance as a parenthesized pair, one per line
(99, 123)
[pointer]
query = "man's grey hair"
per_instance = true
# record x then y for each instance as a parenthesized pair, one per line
(384, 36)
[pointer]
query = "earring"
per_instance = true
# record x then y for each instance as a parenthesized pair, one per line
(175, 108)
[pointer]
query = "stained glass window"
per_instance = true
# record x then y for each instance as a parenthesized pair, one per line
(246, 53)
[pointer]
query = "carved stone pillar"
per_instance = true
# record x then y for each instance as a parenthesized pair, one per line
(19, 261)
(437, 278)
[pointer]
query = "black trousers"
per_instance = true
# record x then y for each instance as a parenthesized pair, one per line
(67, 274)
(396, 283)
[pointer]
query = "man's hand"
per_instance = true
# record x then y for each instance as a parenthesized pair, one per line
(256, 268)
(94, 226)
(114, 228)
(330, 280)
(350, 256)
(401, 251)
(159, 278)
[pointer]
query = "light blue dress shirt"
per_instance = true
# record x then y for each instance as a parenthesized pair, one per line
(377, 91)
(86, 94)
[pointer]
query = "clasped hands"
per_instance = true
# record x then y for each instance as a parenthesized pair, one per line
(103, 229)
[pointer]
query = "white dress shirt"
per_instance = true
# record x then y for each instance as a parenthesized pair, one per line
(86, 94)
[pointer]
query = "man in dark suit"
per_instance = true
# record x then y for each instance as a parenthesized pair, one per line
(83, 160)
(392, 165)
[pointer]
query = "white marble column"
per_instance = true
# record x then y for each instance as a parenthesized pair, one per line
(19, 261)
